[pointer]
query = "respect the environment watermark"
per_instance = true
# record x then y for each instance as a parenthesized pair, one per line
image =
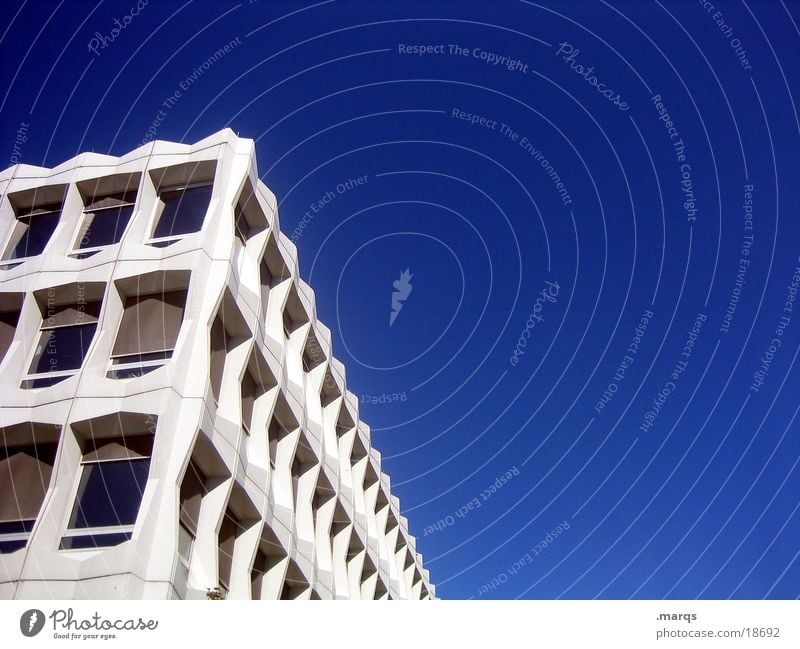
(184, 85)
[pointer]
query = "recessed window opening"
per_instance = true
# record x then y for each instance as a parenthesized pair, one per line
(105, 219)
(148, 332)
(33, 232)
(113, 476)
(27, 456)
(70, 314)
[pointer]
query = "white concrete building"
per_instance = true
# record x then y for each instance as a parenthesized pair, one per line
(172, 420)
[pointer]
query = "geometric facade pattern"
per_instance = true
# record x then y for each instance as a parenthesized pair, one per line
(172, 422)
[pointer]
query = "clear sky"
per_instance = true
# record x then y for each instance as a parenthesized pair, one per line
(589, 387)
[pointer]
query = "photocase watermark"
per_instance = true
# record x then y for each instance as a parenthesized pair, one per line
(475, 503)
(569, 54)
(103, 41)
(66, 626)
(318, 205)
(31, 622)
(19, 139)
(525, 560)
(170, 101)
(402, 289)
(548, 294)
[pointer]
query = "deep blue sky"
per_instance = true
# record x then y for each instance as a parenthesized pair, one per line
(703, 503)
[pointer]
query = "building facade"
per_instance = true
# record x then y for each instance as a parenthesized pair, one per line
(172, 422)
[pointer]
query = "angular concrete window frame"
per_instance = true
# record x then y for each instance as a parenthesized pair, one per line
(228, 330)
(240, 515)
(205, 472)
(114, 470)
(248, 217)
(294, 314)
(313, 356)
(37, 212)
(154, 307)
(329, 390)
(70, 314)
(27, 457)
(184, 195)
(192, 491)
(304, 469)
(277, 432)
(109, 205)
(282, 434)
(269, 567)
(295, 584)
(323, 507)
(258, 379)
(273, 270)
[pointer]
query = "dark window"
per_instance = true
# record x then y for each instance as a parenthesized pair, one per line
(287, 324)
(8, 327)
(250, 392)
(260, 568)
(275, 434)
(66, 334)
(220, 345)
(89, 541)
(308, 364)
(295, 585)
(63, 348)
(148, 332)
(266, 283)
(44, 381)
(243, 229)
(266, 576)
(110, 493)
(113, 478)
(6, 547)
(184, 210)
(25, 473)
(312, 354)
(17, 527)
(230, 529)
(38, 225)
(105, 219)
(249, 218)
(193, 489)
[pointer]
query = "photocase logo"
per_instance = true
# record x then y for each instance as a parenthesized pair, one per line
(402, 289)
(31, 622)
